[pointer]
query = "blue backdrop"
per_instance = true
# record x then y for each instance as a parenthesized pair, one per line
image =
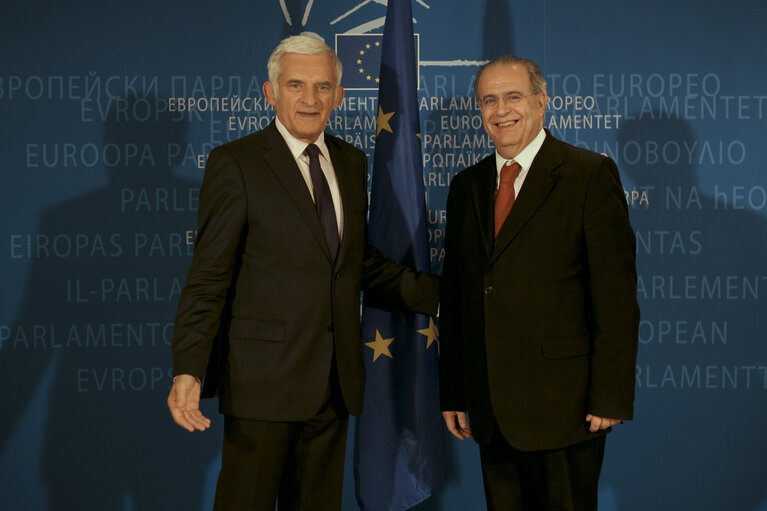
(107, 112)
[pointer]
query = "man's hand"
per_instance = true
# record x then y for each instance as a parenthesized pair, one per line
(597, 423)
(184, 403)
(457, 424)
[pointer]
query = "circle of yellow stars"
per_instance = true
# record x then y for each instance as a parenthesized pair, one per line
(381, 346)
(359, 62)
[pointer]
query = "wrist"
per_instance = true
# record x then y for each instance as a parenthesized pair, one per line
(196, 379)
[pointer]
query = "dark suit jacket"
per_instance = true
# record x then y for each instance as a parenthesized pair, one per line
(540, 329)
(263, 289)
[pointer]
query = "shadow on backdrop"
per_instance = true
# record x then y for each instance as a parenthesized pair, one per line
(498, 35)
(702, 432)
(97, 313)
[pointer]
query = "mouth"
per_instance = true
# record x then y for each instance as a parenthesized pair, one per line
(506, 124)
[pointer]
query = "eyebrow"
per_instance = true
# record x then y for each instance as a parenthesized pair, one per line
(503, 94)
(301, 82)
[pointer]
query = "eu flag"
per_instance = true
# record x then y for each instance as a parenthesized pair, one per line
(399, 444)
(360, 55)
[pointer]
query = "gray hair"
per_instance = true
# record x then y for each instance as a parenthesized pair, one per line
(304, 44)
(537, 80)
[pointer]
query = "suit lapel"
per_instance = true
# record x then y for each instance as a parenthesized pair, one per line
(482, 192)
(279, 158)
(539, 182)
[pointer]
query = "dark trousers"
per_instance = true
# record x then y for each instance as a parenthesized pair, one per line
(298, 465)
(564, 479)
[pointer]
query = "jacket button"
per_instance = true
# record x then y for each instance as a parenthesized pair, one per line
(489, 290)
(336, 276)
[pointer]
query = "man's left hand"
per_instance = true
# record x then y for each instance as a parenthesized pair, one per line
(597, 423)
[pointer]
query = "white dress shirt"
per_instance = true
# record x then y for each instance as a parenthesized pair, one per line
(525, 160)
(297, 149)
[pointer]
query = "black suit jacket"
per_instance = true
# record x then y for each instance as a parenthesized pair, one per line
(264, 308)
(541, 328)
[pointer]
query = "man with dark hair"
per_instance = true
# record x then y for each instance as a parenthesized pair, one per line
(539, 316)
(270, 313)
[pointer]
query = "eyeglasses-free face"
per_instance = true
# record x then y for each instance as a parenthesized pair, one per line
(305, 94)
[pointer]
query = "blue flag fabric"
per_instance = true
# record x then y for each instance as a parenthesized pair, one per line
(399, 455)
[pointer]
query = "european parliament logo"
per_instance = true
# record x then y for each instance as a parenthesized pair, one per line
(360, 55)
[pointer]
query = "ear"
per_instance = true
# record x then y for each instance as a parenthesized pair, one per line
(269, 93)
(339, 97)
(542, 100)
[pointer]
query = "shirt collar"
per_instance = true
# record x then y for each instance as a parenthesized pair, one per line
(296, 146)
(526, 157)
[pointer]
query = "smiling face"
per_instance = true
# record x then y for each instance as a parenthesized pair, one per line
(511, 125)
(305, 94)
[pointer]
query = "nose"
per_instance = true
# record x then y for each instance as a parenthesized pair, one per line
(309, 96)
(503, 106)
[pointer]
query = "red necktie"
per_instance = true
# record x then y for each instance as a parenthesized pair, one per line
(504, 200)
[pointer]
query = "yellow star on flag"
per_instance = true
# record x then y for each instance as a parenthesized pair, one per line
(383, 121)
(380, 346)
(430, 332)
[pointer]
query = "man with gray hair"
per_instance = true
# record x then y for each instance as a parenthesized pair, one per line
(539, 317)
(269, 317)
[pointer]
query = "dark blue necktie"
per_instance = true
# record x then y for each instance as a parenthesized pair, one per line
(323, 200)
